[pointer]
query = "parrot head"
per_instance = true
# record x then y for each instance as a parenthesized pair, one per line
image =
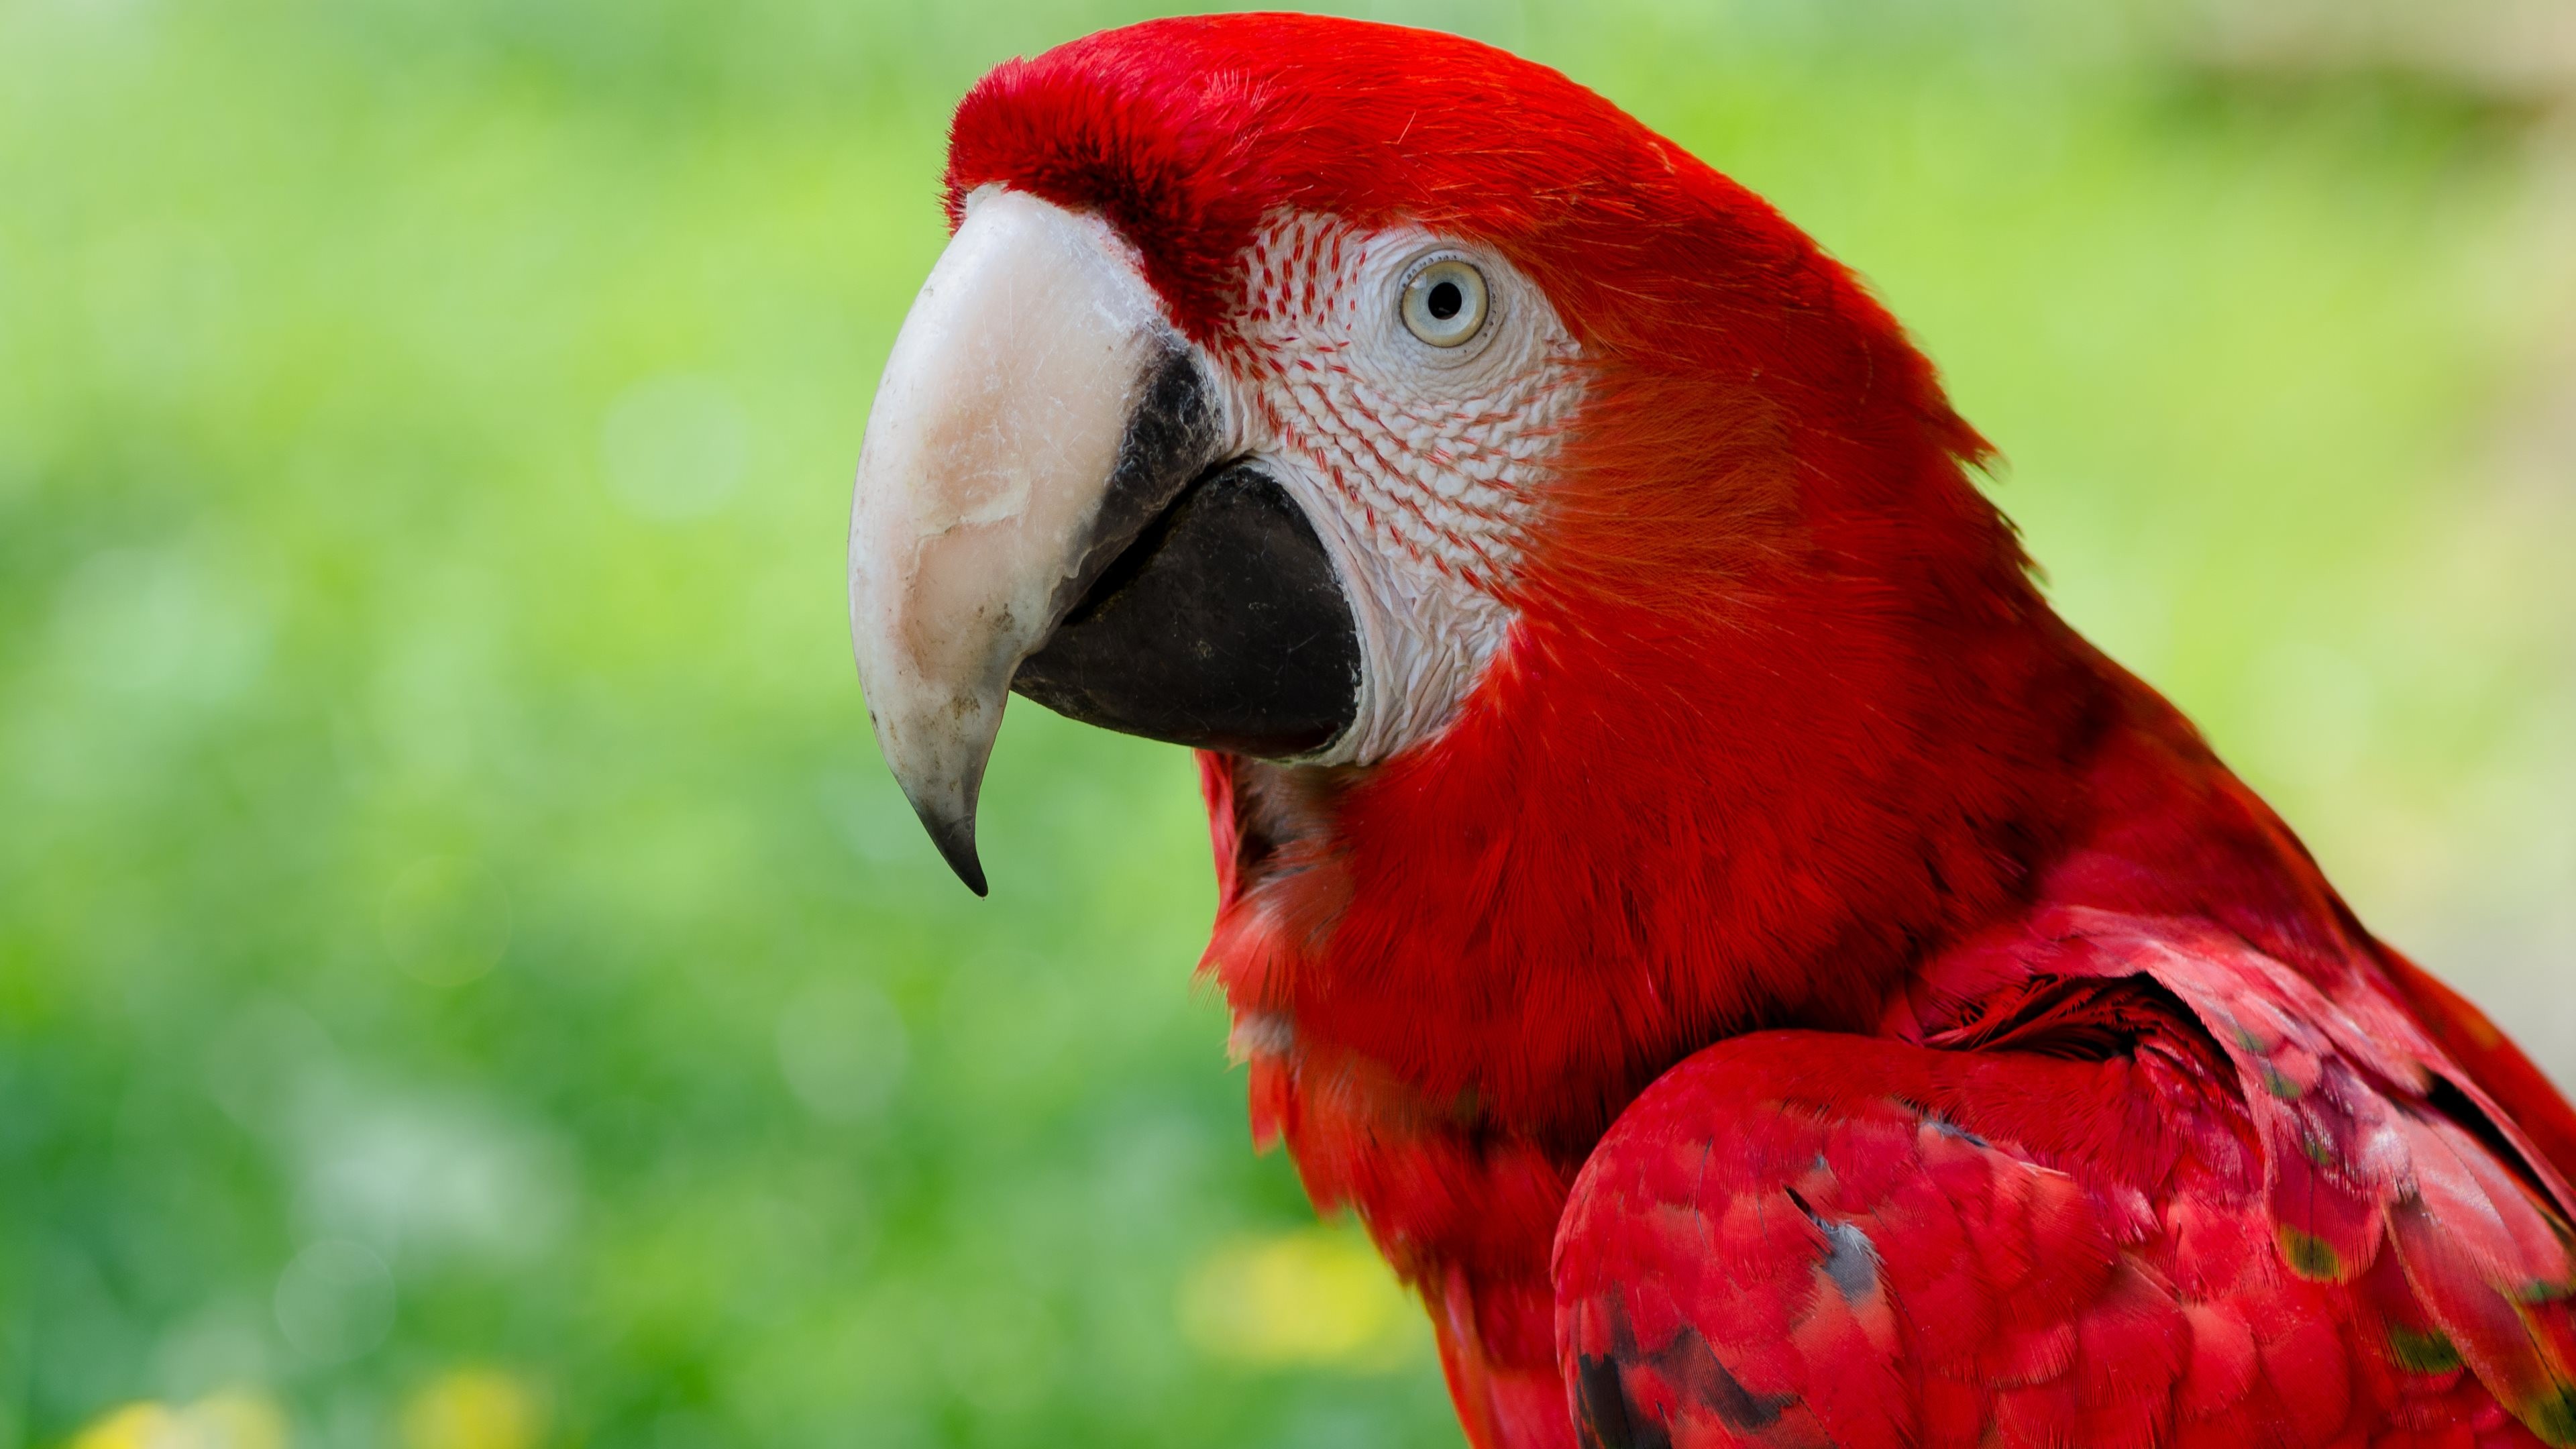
(1543, 540)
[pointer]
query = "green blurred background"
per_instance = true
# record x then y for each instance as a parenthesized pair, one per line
(466, 981)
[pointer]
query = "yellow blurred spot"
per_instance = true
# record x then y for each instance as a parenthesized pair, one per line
(473, 1409)
(136, 1426)
(231, 1420)
(1317, 1296)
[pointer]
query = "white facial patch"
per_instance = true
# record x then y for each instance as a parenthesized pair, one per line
(1420, 465)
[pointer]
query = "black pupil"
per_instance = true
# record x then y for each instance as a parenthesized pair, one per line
(1445, 300)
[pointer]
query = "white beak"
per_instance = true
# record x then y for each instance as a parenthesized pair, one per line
(1002, 466)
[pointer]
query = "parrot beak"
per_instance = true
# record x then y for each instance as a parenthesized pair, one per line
(1043, 503)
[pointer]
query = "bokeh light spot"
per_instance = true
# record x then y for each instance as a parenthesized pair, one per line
(1317, 1297)
(473, 1408)
(160, 623)
(230, 1420)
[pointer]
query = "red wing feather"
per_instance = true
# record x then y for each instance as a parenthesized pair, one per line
(2054, 1232)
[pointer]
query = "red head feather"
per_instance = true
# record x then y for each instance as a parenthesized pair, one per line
(1782, 705)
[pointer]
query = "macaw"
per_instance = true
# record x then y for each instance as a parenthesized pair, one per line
(1757, 972)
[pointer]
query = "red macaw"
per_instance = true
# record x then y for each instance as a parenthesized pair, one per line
(1758, 973)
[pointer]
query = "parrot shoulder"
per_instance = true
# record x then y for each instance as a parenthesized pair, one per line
(2147, 1187)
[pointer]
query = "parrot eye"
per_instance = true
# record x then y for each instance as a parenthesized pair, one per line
(1444, 302)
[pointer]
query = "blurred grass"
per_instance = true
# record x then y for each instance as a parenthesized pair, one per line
(465, 979)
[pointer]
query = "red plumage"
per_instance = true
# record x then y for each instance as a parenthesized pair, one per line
(1807, 995)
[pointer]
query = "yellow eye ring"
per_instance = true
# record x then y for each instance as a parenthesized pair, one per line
(1444, 303)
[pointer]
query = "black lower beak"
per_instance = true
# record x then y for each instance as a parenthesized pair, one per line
(1223, 626)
